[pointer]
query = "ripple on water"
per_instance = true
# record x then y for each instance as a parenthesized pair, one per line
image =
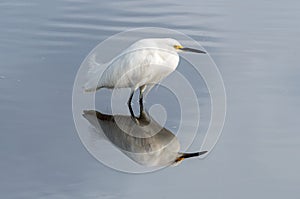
(76, 22)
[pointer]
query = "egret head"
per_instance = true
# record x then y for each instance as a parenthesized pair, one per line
(165, 43)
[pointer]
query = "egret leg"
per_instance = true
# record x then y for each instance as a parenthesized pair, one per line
(142, 89)
(129, 105)
(130, 98)
(131, 111)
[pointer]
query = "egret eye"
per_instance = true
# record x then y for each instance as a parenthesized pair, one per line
(177, 47)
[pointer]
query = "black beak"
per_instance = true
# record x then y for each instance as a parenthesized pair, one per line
(193, 50)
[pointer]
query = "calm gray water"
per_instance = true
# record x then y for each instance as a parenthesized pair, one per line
(255, 46)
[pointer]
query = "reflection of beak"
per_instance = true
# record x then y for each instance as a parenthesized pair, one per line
(193, 50)
(189, 155)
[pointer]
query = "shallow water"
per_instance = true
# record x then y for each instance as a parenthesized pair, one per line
(255, 46)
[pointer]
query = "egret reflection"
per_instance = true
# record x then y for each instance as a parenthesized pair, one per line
(141, 138)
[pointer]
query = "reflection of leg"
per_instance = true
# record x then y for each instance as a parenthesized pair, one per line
(142, 89)
(135, 119)
(144, 118)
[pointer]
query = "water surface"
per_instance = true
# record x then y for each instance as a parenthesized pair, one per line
(255, 45)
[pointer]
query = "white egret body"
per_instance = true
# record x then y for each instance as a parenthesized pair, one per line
(146, 62)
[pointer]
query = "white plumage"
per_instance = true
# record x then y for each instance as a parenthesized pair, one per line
(145, 62)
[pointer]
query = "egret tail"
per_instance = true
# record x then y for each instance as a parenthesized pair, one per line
(93, 83)
(93, 75)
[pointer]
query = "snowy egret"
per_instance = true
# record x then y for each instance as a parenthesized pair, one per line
(144, 63)
(157, 147)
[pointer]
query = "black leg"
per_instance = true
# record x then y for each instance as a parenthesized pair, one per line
(131, 111)
(141, 106)
(130, 98)
(141, 103)
(142, 89)
(129, 105)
